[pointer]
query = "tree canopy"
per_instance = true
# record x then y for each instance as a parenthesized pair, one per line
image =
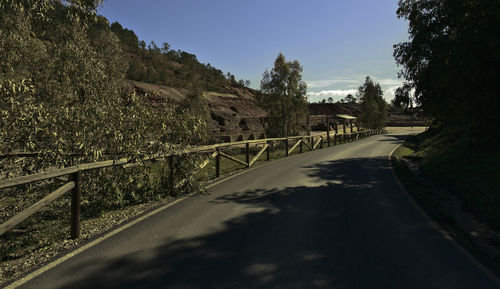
(62, 97)
(162, 65)
(452, 60)
(373, 106)
(283, 95)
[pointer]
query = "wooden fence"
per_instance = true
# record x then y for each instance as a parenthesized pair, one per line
(75, 172)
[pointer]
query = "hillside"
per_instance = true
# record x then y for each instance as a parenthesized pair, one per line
(231, 114)
(164, 66)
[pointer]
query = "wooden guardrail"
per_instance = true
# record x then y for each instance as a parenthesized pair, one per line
(75, 172)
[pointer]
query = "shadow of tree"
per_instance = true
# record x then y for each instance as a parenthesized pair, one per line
(395, 138)
(349, 228)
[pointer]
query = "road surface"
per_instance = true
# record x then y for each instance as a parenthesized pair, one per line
(332, 218)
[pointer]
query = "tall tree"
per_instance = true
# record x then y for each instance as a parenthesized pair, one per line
(283, 95)
(62, 97)
(373, 106)
(452, 59)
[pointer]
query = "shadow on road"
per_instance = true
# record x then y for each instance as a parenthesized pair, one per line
(343, 230)
(395, 138)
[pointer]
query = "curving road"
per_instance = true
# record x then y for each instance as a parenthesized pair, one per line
(332, 218)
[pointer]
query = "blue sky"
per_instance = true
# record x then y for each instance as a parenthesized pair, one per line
(338, 42)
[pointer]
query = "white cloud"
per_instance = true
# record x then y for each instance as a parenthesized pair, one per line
(330, 82)
(336, 94)
(347, 86)
(390, 92)
(389, 82)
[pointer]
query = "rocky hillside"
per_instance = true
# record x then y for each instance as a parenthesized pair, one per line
(234, 114)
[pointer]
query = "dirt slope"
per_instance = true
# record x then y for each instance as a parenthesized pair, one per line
(234, 112)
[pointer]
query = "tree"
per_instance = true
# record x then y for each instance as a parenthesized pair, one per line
(153, 47)
(350, 99)
(283, 95)
(402, 97)
(452, 60)
(330, 100)
(373, 106)
(165, 48)
(62, 97)
(136, 71)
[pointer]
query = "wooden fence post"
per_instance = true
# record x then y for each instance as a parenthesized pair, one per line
(328, 132)
(247, 154)
(308, 125)
(217, 163)
(286, 147)
(300, 145)
(268, 150)
(75, 204)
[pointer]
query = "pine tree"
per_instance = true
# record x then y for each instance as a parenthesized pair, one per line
(373, 106)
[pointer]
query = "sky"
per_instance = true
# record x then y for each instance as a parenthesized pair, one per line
(338, 42)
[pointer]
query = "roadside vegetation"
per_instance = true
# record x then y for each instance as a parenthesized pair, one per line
(462, 196)
(451, 67)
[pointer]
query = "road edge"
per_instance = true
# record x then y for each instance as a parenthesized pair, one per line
(439, 229)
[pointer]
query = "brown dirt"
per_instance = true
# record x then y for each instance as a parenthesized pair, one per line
(233, 112)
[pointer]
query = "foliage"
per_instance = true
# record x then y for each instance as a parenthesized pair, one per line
(62, 97)
(452, 60)
(373, 106)
(349, 99)
(447, 162)
(161, 65)
(283, 95)
(403, 97)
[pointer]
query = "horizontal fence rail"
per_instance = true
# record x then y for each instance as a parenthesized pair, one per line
(75, 172)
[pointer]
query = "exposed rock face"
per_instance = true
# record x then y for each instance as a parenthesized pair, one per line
(233, 115)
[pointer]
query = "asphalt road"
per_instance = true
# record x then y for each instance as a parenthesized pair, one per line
(332, 218)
